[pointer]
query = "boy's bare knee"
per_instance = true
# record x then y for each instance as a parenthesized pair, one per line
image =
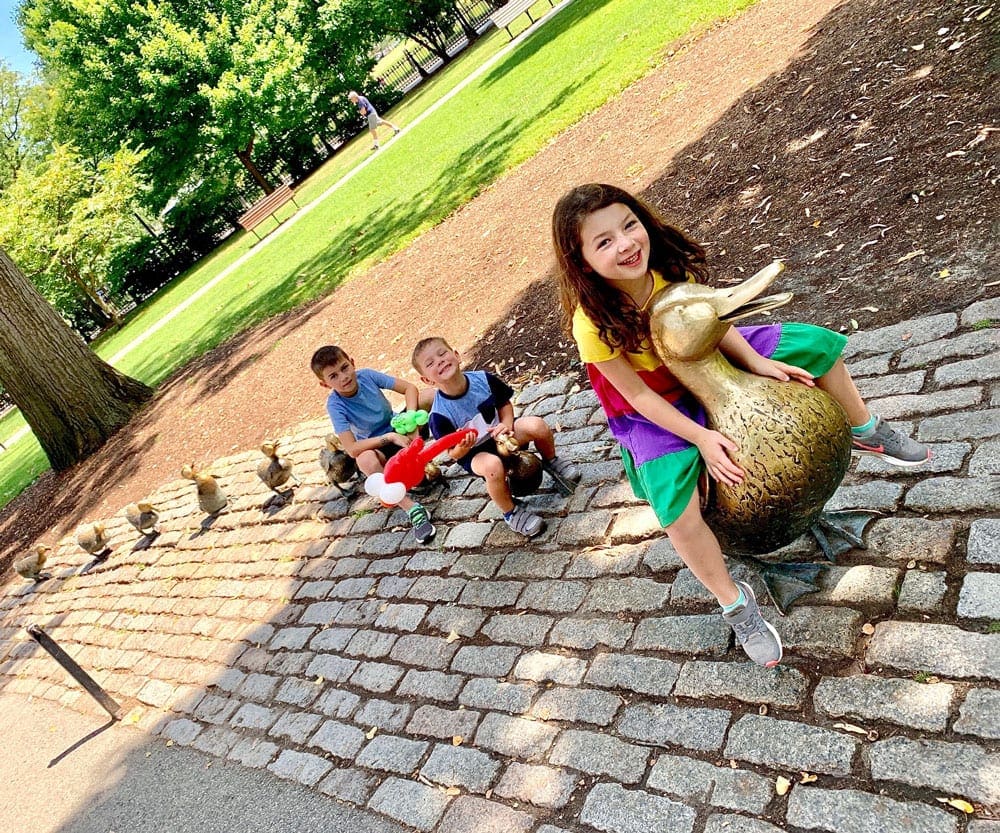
(531, 428)
(489, 467)
(369, 462)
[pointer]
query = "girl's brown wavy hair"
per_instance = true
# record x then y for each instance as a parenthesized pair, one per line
(620, 323)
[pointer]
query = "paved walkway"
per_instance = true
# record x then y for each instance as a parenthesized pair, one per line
(581, 681)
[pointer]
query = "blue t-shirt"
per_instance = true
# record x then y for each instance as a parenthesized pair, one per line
(368, 412)
(477, 408)
(365, 106)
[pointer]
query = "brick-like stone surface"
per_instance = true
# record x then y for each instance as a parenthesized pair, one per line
(906, 702)
(980, 713)
(645, 675)
(377, 677)
(936, 649)
(818, 631)
(300, 766)
(253, 752)
(542, 786)
(338, 739)
(786, 744)
(955, 494)
(923, 591)
(984, 541)
(487, 693)
(410, 802)
(252, 716)
(725, 823)
(589, 633)
(916, 539)
(835, 810)
(522, 629)
(598, 754)
(612, 808)
(577, 704)
(296, 726)
(457, 766)
(436, 722)
(515, 736)
(742, 681)
(336, 703)
(401, 617)
(182, 731)
(964, 769)
(485, 661)
(433, 652)
(384, 715)
(700, 634)
(351, 785)
(435, 685)
(469, 814)
(701, 782)
(389, 753)
(665, 724)
(541, 667)
(553, 596)
(979, 597)
(610, 595)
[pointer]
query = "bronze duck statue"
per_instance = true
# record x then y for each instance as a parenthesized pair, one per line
(794, 440)
(275, 471)
(211, 499)
(338, 465)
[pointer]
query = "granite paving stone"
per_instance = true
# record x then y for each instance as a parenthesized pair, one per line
(791, 745)
(614, 809)
(530, 564)
(383, 715)
(867, 697)
(296, 726)
(577, 704)
(542, 786)
(725, 823)
(389, 753)
(553, 596)
(445, 724)
(409, 802)
(984, 541)
(979, 597)
(377, 677)
(401, 617)
(936, 649)
(485, 693)
(338, 739)
(372, 644)
(252, 716)
(610, 595)
(835, 810)
(336, 703)
(465, 621)
(963, 769)
(985, 459)
(589, 633)
(514, 736)
(433, 652)
(923, 591)
(491, 594)
(697, 634)
(470, 814)
(645, 675)
(980, 714)
(458, 766)
(436, 589)
(435, 685)
(743, 681)
(349, 784)
(700, 781)
(541, 667)
(967, 425)
(598, 754)
(302, 767)
(485, 661)
(522, 629)
(664, 723)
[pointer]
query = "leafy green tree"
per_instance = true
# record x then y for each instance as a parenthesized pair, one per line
(65, 221)
(72, 400)
(20, 104)
(430, 23)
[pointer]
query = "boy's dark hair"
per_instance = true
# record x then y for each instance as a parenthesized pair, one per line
(326, 356)
(620, 323)
(422, 345)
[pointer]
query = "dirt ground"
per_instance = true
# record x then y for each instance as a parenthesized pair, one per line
(856, 141)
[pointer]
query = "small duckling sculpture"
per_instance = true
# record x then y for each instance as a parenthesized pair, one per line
(143, 516)
(94, 539)
(211, 498)
(275, 471)
(337, 464)
(524, 469)
(30, 567)
(794, 441)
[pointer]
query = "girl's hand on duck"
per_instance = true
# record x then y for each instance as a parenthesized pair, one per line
(715, 448)
(783, 372)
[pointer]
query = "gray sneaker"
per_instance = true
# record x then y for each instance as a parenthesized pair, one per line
(891, 445)
(760, 641)
(563, 473)
(524, 522)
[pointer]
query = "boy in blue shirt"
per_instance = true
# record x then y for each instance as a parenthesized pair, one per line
(361, 416)
(480, 400)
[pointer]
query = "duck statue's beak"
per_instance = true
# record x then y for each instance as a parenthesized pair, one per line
(741, 301)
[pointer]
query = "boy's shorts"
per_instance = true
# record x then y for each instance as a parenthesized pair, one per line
(389, 450)
(667, 482)
(487, 447)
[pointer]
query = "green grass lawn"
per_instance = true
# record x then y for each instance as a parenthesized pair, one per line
(582, 57)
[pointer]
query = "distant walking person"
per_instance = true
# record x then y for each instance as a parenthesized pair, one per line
(374, 120)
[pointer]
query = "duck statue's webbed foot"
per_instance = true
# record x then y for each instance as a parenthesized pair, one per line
(840, 532)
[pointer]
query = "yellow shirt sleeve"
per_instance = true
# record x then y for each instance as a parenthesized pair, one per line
(588, 342)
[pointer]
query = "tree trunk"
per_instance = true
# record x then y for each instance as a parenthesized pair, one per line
(244, 157)
(72, 400)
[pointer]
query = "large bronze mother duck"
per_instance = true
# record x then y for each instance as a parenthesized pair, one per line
(794, 441)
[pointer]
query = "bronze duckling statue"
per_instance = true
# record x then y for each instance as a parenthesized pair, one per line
(794, 440)
(94, 539)
(337, 464)
(30, 566)
(211, 498)
(275, 471)
(143, 516)
(524, 469)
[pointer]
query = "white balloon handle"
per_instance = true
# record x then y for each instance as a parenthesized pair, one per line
(374, 483)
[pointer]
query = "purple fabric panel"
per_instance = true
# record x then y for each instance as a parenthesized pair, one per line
(763, 338)
(646, 441)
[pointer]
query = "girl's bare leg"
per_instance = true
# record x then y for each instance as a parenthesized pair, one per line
(698, 547)
(838, 383)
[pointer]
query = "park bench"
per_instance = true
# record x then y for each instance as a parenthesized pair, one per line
(509, 12)
(265, 207)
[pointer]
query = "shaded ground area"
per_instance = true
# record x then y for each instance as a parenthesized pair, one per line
(855, 141)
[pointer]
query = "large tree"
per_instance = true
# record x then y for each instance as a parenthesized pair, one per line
(72, 400)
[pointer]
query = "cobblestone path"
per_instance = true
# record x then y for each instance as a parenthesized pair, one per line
(583, 681)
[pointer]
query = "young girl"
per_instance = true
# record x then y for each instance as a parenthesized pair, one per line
(614, 254)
